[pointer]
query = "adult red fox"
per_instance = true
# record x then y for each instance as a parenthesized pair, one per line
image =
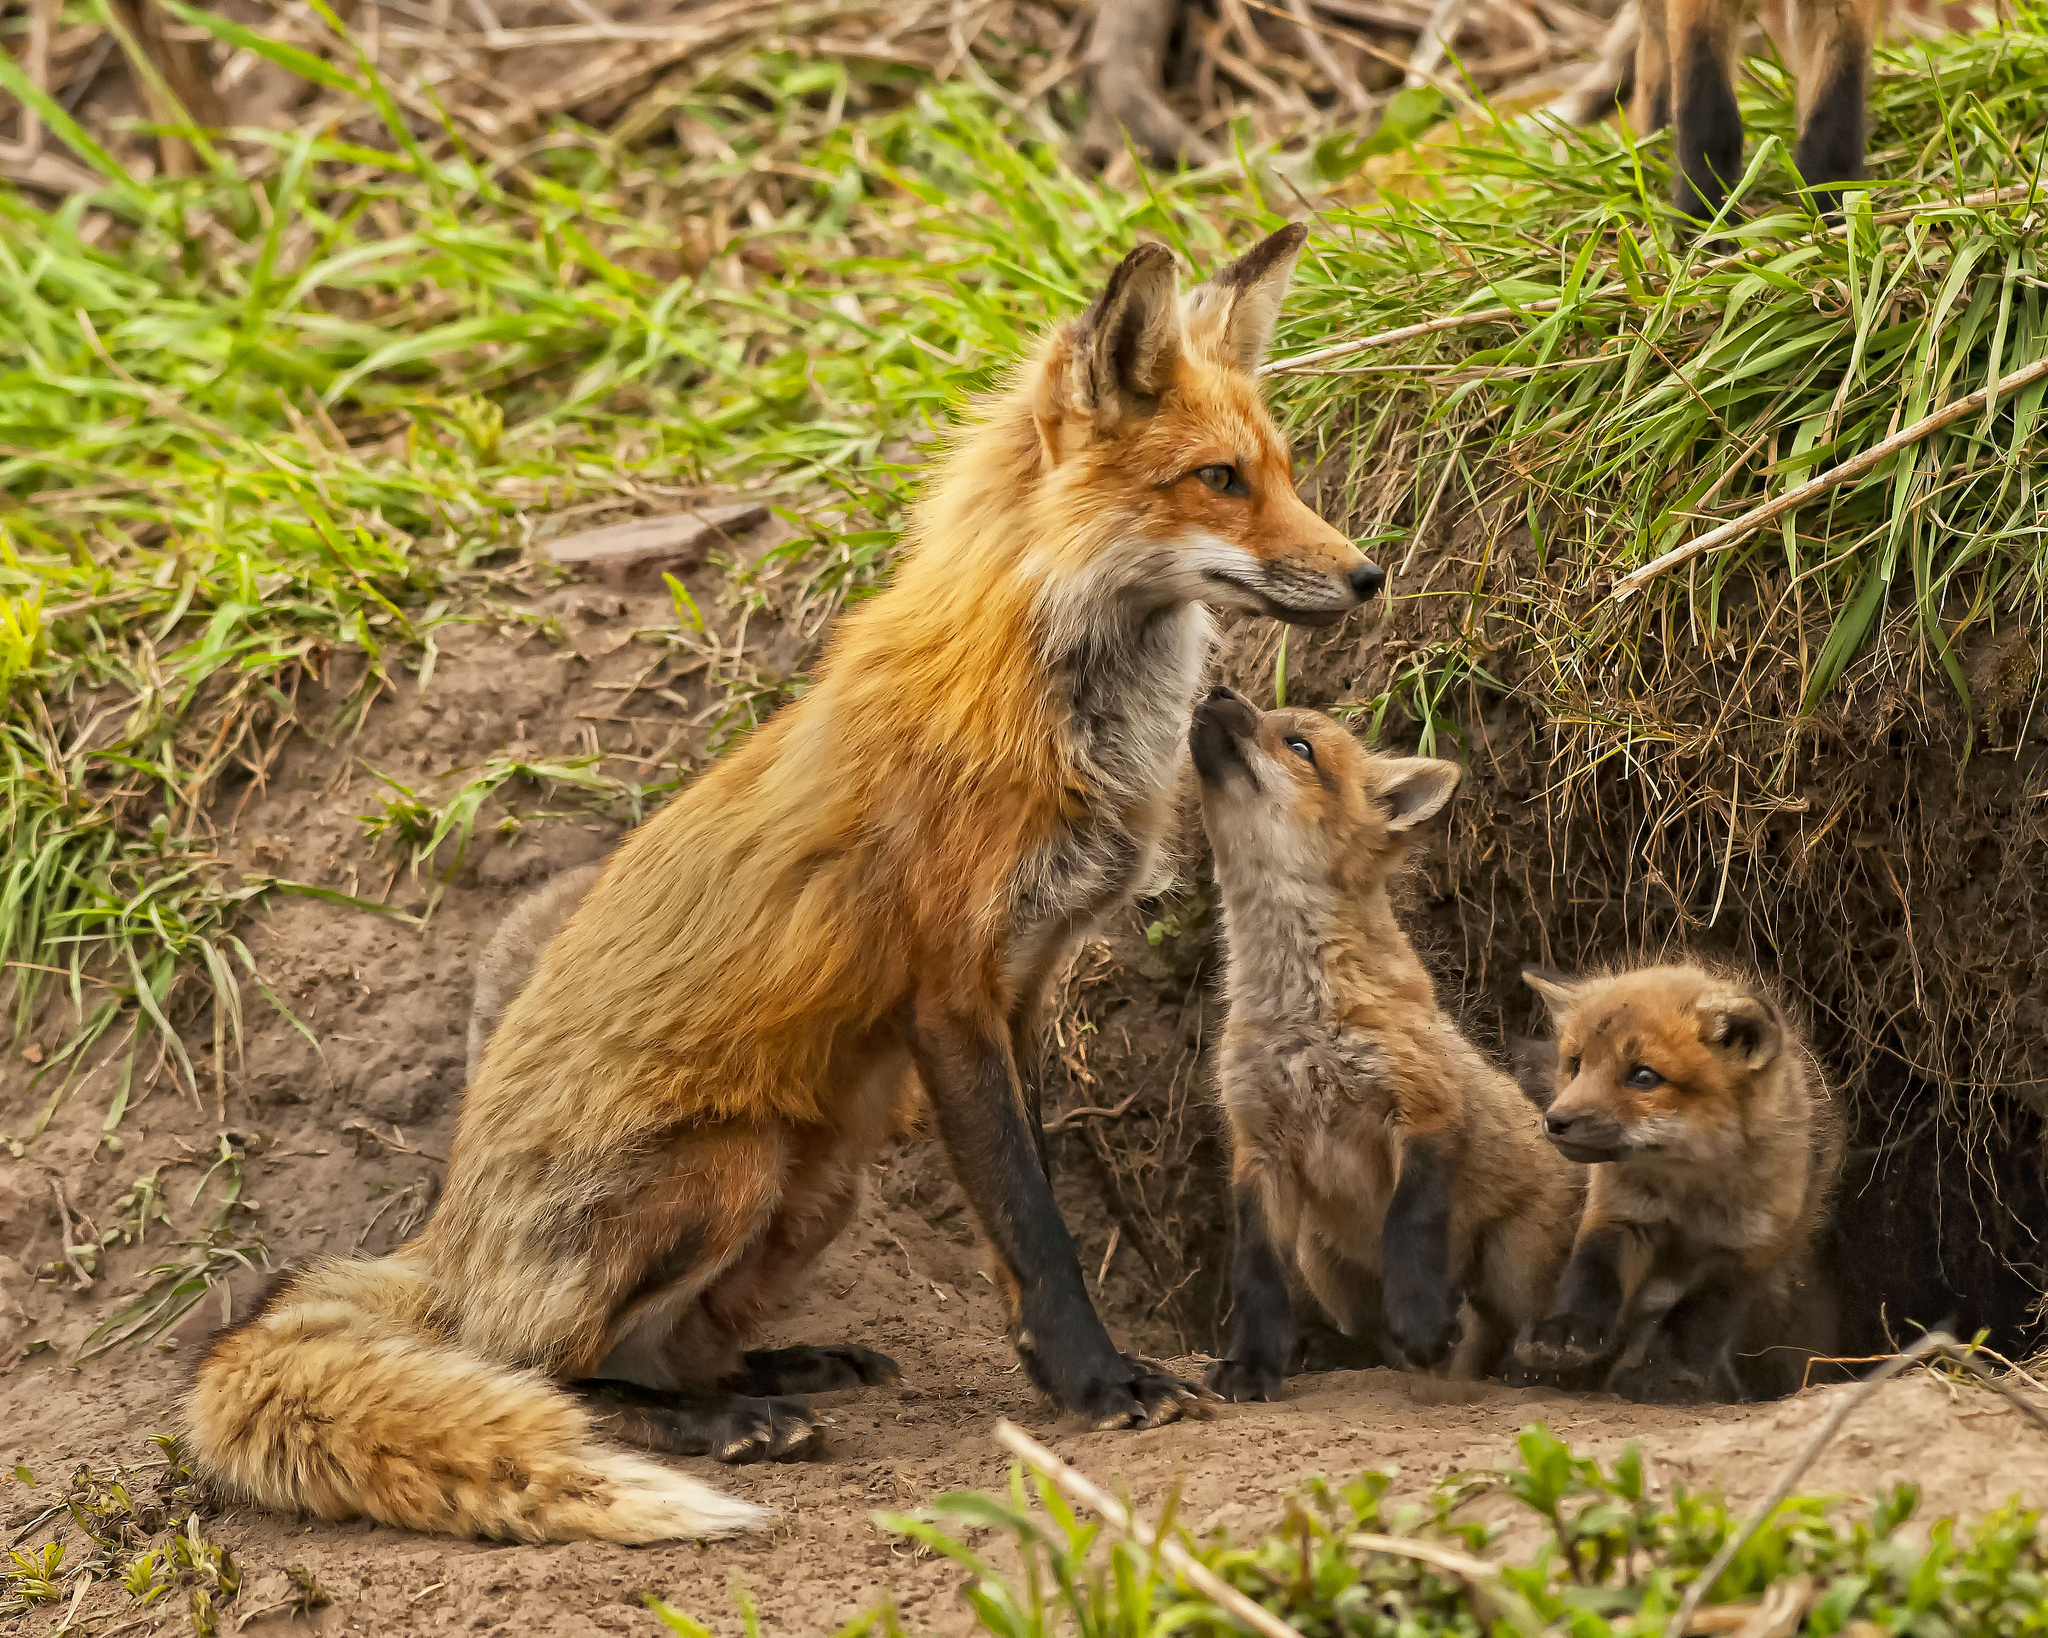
(671, 1121)
(1376, 1157)
(1714, 1147)
(1679, 55)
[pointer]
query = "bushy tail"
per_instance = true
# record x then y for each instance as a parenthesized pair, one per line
(336, 1399)
(1605, 83)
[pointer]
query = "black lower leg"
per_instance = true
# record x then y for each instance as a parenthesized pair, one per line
(730, 1426)
(1709, 129)
(1415, 1258)
(1259, 1338)
(1690, 1355)
(810, 1370)
(1832, 140)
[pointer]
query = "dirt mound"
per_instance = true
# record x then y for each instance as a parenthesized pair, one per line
(335, 1146)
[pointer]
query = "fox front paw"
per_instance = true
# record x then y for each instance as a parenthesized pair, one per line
(1556, 1352)
(1423, 1325)
(1245, 1381)
(1149, 1396)
(1663, 1382)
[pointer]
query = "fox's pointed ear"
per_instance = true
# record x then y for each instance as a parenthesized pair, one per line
(1558, 991)
(1117, 358)
(1745, 1026)
(1231, 317)
(1415, 788)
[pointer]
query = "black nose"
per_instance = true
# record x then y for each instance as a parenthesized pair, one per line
(1559, 1125)
(1223, 691)
(1367, 579)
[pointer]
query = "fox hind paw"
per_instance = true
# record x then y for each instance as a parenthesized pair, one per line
(771, 1371)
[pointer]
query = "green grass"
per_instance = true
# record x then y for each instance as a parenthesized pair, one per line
(1573, 1547)
(300, 404)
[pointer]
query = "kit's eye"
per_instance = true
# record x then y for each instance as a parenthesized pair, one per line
(1225, 480)
(1302, 749)
(1642, 1076)
(1571, 1069)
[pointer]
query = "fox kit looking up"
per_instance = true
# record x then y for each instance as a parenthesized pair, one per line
(1714, 1147)
(1373, 1148)
(671, 1121)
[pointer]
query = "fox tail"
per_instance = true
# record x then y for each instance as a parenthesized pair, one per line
(338, 1399)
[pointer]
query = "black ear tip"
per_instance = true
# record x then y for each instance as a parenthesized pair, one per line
(1148, 255)
(1292, 237)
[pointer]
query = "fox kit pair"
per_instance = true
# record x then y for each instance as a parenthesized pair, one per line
(1377, 1158)
(670, 1121)
(1714, 1147)
(1680, 55)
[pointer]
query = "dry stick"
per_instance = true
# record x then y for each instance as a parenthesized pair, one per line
(1077, 1487)
(70, 1251)
(1933, 1342)
(1348, 89)
(1550, 304)
(1854, 467)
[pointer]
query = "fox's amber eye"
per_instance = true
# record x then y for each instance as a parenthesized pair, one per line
(1225, 480)
(1571, 1069)
(1642, 1076)
(1302, 749)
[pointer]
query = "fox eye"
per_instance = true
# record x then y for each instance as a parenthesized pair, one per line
(1302, 749)
(1571, 1069)
(1225, 480)
(1642, 1075)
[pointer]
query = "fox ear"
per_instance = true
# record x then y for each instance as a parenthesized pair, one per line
(1415, 787)
(1558, 992)
(1122, 351)
(1233, 314)
(1744, 1025)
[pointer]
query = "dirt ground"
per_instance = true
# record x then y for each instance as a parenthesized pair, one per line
(388, 1003)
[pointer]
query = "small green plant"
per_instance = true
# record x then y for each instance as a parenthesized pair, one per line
(414, 824)
(199, 1265)
(1614, 1562)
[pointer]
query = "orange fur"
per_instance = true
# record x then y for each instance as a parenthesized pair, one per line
(1713, 1137)
(671, 1120)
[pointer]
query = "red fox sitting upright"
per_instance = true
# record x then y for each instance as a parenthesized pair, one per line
(671, 1121)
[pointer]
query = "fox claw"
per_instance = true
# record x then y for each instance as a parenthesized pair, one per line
(1242, 1382)
(1150, 1397)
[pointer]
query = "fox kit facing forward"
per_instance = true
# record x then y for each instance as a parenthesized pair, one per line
(671, 1121)
(1714, 1147)
(1373, 1148)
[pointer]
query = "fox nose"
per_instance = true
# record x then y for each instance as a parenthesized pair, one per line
(1223, 691)
(1367, 579)
(1559, 1125)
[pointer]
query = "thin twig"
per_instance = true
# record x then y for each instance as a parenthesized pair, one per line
(1854, 467)
(1075, 1116)
(1077, 1487)
(78, 1272)
(1933, 1342)
(396, 1141)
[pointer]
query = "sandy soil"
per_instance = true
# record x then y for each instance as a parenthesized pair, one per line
(388, 1004)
